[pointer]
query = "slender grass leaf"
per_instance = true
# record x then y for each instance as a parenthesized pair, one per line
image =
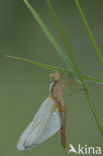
(45, 29)
(92, 79)
(89, 32)
(45, 66)
(86, 78)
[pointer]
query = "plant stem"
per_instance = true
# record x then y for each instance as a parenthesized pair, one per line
(89, 32)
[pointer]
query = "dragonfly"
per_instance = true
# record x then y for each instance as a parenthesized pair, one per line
(49, 119)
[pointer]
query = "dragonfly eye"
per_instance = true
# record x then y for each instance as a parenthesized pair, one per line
(55, 76)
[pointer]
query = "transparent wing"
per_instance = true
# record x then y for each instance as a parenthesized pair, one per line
(52, 126)
(45, 123)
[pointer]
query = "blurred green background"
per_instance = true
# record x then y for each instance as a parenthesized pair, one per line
(24, 86)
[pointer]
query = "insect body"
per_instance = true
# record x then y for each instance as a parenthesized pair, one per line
(48, 120)
(56, 94)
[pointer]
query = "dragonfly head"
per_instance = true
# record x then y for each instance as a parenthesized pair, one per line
(56, 76)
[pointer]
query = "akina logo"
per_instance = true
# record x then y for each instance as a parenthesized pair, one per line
(84, 150)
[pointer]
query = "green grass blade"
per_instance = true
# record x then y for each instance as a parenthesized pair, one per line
(45, 66)
(91, 104)
(89, 32)
(57, 69)
(92, 79)
(51, 38)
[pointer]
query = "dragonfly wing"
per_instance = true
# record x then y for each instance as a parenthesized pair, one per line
(37, 131)
(52, 126)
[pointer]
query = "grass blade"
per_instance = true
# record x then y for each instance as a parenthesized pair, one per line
(92, 79)
(91, 104)
(89, 32)
(51, 38)
(45, 66)
(57, 69)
